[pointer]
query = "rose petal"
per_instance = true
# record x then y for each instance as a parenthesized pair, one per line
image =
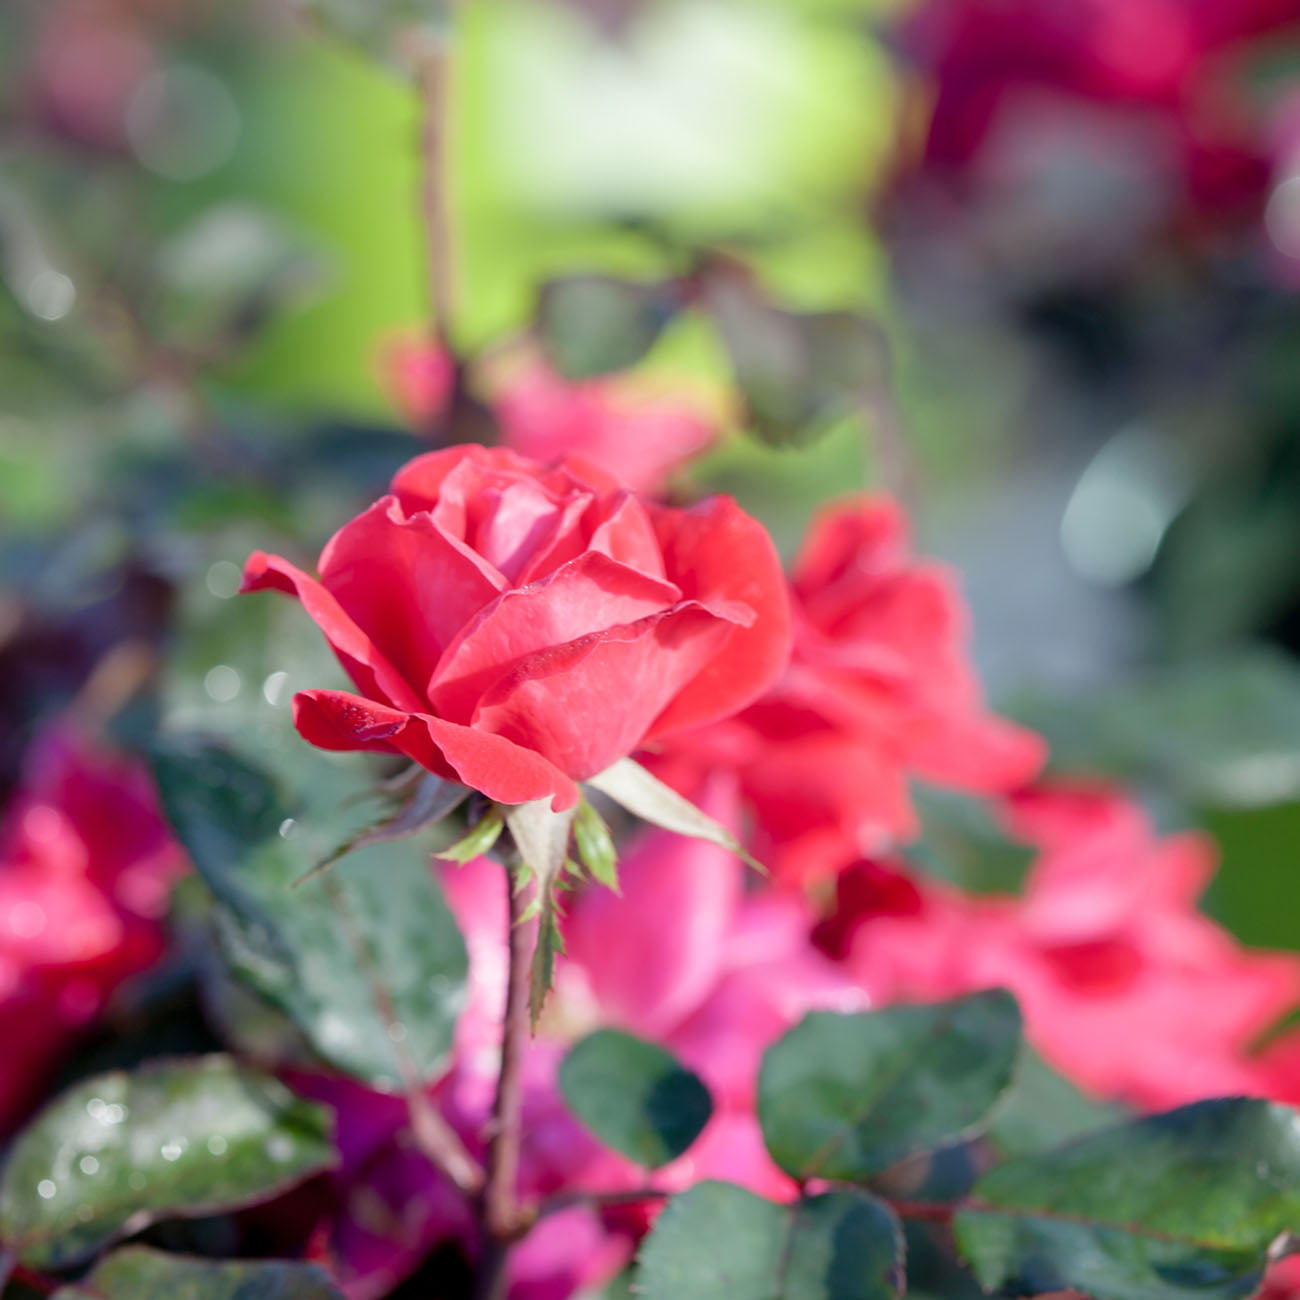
(627, 533)
(858, 540)
(407, 583)
(591, 594)
(716, 552)
(491, 764)
(361, 659)
(589, 703)
(418, 483)
(638, 438)
(510, 524)
(678, 898)
(978, 752)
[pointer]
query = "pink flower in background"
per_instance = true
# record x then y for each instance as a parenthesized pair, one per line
(632, 431)
(684, 957)
(636, 435)
(420, 377)
(1126, 987)
(86, 864)
(687, 957)
(879, 692)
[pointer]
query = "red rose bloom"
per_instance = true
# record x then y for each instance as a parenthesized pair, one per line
(879, 692)
(519, 627)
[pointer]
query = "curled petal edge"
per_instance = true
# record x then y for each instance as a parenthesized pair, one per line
(496, 767)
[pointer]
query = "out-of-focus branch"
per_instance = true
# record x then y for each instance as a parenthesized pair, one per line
(435, 94)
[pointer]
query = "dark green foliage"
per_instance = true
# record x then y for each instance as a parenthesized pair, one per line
(634, 1096)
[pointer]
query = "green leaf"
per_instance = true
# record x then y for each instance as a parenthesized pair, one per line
(365, 959)
(1044, 1109)
(847, 1096)
(222, 809)
(397, 32)
(594, 324)
(962, 844)
(645, 796)
(1182, 1204)
(634, 1096)
(550, 943)
(119, 1151)
(138, 1273)
(720, 1240)
(541, 837)
(596, 846)
(480, 838)
(799, 373)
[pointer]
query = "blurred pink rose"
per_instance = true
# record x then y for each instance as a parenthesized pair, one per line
(86, 865)
(1050, 122)
(618, 423)
(879, 692)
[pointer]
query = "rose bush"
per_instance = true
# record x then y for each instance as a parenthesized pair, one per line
(708, 969)
(519, 627)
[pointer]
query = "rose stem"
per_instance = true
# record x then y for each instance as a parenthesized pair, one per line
(435, 85)
(501, 1219)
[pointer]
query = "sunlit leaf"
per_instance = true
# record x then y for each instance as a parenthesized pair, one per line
(595, 846)
(478, 840)
(119, 1151)
(630, 786)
